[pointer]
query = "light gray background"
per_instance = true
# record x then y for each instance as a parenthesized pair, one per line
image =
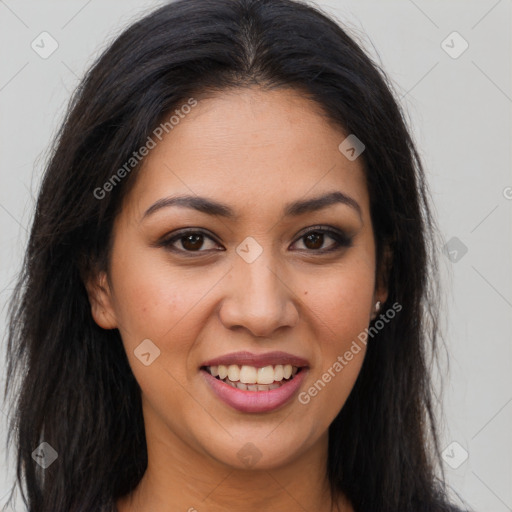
(460, 111)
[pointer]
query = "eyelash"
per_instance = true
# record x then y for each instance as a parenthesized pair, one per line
(342, 240)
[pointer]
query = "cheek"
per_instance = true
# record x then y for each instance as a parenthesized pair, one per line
(341, 304)
(339, 313)
(155, 303)
(151, 299)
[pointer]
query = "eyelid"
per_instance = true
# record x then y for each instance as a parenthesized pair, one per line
(168, 240)
(340, 236)
(323, 228)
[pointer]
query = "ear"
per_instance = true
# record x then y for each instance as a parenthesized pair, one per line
(382, 277)
(100, 298)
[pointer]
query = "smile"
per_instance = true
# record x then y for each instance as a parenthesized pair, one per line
(251, 378)
(255, 383)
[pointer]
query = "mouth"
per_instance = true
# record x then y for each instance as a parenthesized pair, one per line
(255, 383)
(252, 378)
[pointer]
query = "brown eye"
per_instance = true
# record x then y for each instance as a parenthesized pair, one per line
(189, 242)
(192, 242)
(314, 240)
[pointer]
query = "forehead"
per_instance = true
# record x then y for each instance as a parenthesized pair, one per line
(252, 149)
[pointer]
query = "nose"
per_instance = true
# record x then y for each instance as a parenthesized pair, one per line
(259, 298)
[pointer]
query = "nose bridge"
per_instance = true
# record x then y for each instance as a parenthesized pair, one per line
(258, 299)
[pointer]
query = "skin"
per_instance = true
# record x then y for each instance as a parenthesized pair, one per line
(256, 151)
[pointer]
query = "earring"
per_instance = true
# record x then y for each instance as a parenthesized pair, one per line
(377, 309)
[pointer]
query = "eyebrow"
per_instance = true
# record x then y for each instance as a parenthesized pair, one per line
(217, 209)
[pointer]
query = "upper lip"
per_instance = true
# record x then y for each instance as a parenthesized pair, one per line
(258, 360)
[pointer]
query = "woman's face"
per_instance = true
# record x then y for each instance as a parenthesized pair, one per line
(260, 280)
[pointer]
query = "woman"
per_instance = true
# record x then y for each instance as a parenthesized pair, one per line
(228, 297)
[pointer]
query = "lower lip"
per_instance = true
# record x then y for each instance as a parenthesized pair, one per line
(255, 401)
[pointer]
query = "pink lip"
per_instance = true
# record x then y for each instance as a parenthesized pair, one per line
(259, 361)
(254, 401)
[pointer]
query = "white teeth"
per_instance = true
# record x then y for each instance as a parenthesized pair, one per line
(233, 372)
(278, 372)
(223, 371)
(248, 374)
(266, 375)
(252, 387)
(252, 377)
